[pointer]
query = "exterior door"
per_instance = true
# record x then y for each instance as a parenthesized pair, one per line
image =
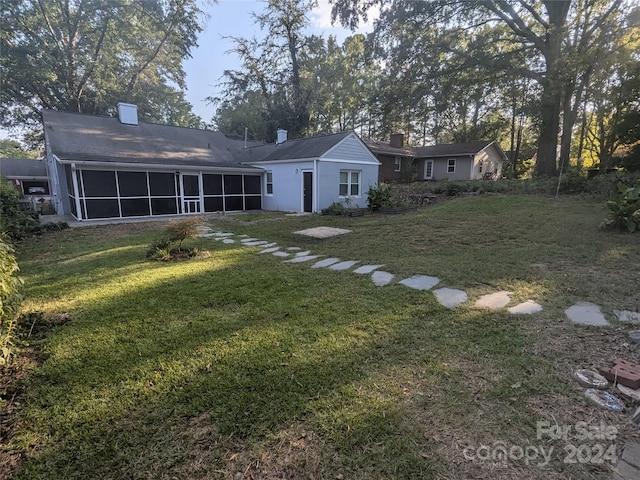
(428, 169)
(190, 193)
(307, 191)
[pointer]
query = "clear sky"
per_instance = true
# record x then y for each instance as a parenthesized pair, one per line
(233, 18)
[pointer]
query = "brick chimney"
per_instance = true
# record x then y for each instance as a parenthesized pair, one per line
(397, 140)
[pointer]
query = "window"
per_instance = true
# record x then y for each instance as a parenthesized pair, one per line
(480, 166)
(269, 181)
(451, 165)
(349, 183)
(398, 164)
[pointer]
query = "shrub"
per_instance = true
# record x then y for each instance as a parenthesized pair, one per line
(379, 197)
(10, 298)
(14, 221)
(625, 209)
(179, 230)
(170, 247)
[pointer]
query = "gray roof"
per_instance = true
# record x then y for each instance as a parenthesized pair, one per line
(442, 150)
(384, 148)
(311, 147)
(78, 137)
(452, 149)
(22, 168)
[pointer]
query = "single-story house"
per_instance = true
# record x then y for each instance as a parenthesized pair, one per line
(108, 167)
(459, 161)
(310, 174)
(30, 178)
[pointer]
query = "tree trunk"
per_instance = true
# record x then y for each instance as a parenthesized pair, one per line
(550, 124)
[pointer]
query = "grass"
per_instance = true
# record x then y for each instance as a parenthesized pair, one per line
(240, 366)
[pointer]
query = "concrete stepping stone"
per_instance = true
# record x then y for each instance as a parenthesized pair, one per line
(255, 244)
(228, 240)
(325, 263)
(281, 254)
(450, 297)
(343, 265)
(248, 240)
(270, 250)
(380, 279)
(527, 307)
(364, 269)
(223, 234)
(304, 258)
(306, 253)
(585, 313)
(420, 282)
(244, 235)
(495, 300)
(269, 245)
(322, 232)
(626, 316)
(293, 249)
(203, 228)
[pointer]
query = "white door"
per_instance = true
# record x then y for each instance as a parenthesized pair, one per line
(190, 193)
(428, 169)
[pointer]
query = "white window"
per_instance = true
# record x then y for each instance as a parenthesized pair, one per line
(269, 183)
(398, 164)
(349, 183)
(428, 169)
(451, 165)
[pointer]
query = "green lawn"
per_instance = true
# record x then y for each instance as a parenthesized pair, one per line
(241, 366)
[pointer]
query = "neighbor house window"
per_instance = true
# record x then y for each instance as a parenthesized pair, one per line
(398, 164)
(269, 188)
(451, 165)
(480, 166)
(349, 183)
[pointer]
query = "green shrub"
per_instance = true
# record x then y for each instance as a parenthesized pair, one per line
(379, 197)
(14, 221)
(625, 209)
(179, 230)
(10, 298)
(170, 246)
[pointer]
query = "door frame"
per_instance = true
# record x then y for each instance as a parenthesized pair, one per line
(190, 204)
(304, 173)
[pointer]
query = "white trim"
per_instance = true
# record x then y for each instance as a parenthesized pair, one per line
(339, 160)
(350, 183)
(257, 164)
(159, 167)
(76, 189)
(313, 193)
(424, 174)
(266, 183)
(454, 165)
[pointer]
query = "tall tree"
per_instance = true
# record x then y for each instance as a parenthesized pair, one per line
(86, 55)
(566, 40)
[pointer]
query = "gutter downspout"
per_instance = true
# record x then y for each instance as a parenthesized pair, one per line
(316, 190)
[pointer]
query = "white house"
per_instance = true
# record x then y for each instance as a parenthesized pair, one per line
(107, 167)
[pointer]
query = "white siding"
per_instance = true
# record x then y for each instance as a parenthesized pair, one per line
(351, 149)
(329, 182)
(287, 186)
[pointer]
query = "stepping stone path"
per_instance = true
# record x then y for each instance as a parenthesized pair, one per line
(585, 313)
(582, 313)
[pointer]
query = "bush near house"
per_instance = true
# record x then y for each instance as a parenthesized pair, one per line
(14, 221)
(10, 298)
(625, 209)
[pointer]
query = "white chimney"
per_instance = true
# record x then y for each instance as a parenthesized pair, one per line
(282, 136)
(128, 113)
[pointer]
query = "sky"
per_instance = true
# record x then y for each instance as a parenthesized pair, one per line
(233, 18)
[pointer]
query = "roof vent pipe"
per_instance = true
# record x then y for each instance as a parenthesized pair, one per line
(128, 113)
(282, 136)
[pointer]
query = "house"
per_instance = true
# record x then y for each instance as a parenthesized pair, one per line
(30, 179)
(460, 161)
(310, 174)
(112, 167)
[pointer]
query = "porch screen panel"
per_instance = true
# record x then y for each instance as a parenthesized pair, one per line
(164, 206)
(70, 187)
(213, 204)
(212, 184)
(233, 184)
(102, 208)
(162, 184)
(190, 185)
(234, 202)
(134, 207)
(252, 184)
(99, 183)
(253, 203)
(133, 184)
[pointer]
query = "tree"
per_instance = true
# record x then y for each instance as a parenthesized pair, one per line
(564, 40)
(87, 55)
(12, 149)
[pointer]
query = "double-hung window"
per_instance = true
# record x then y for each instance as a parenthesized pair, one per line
(451, 165)
(349, 183)
(269, 183)
(397, 164)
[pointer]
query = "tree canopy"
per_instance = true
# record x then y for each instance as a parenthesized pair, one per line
(88, 55)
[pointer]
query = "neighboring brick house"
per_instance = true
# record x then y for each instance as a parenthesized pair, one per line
(461, 161)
